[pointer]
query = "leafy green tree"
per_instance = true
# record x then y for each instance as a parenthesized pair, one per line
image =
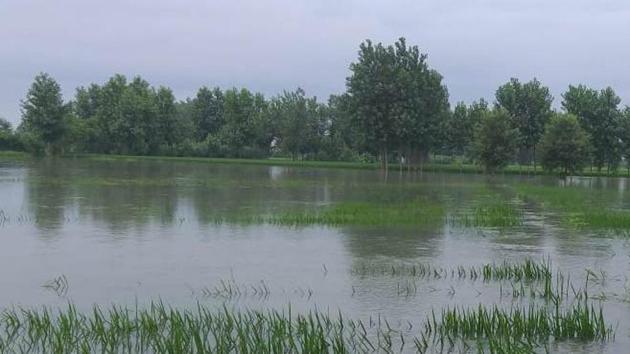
(207, 112)
(529, 106)
(8, 140)
(341, 140)
(624, 134)
(564, 145)
(301, 123)
(424, 105)
(44, 113)
(167, 126)
(396, 99)
(87, 101)
(373, 92)
(246, 130)
(598, 113)
(496, 141)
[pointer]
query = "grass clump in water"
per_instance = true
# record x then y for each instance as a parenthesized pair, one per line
(518, 327)
(417, 212)
(162, 329)
(492, 215)
(529, 270)
(579, 207)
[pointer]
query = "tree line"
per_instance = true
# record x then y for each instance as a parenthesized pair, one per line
(395, 109)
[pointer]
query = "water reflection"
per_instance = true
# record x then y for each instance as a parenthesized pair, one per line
(146, 229)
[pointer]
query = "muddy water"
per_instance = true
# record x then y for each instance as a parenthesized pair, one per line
(132, 232)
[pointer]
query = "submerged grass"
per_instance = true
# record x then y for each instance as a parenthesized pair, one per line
(417, 212)
(530, 326)
(528, 270)
(491, 215)
(579, 207)
(163, 329)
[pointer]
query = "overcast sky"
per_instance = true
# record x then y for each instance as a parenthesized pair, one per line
(269, 46)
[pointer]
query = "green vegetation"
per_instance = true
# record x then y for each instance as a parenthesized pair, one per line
(565, 145)
(395, 110)
(496, 140)
(490, 215)
(529, 107)
(600, 116)
(528, 271)
(418, 212)
(530, 326)
(162, 329)
(578, 207)
(397, 100)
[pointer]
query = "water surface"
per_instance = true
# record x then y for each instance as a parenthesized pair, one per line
(133, 232)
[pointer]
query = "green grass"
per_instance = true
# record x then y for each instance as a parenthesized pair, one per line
(579, 207)
(490, 215)
(528, 271)
(532, 325)
(417, 212)
(163, 329)
(13, 155)
(434, 166)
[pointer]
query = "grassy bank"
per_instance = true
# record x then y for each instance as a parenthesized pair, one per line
(427, 167)
(434, 166)
(14, 155)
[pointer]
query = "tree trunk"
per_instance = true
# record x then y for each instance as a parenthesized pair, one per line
(534, 155)
(384, 162)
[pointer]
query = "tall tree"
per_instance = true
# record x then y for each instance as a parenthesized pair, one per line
(167, 126)
(301, 122)
(245, 132)
(342, 138)
(373, 93)
(396, 99)
(564, 145)
(7, 138)
(496, 140)
(599, 115)
(459, 128)
(529, 106)
(44, 112)
(207, 112)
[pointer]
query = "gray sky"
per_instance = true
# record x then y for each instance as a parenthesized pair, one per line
(269, 45)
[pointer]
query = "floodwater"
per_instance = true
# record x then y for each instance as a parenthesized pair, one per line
(133, 232)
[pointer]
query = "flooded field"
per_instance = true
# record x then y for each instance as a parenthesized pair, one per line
(421, 262)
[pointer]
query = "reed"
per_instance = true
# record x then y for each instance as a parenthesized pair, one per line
(532, 326)
(528, 270)
(163, 329)
(492, 215)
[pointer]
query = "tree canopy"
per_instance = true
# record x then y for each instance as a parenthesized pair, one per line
(565, 145)
(395, 109)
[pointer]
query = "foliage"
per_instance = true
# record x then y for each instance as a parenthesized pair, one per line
(8, 138)
(599, 115)
(395, 109)
(459, 128)
(396, 99)
(44, 114)
(495, 140)
(207, 112)
(301, 123)
(529, 106)
(565, 145)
